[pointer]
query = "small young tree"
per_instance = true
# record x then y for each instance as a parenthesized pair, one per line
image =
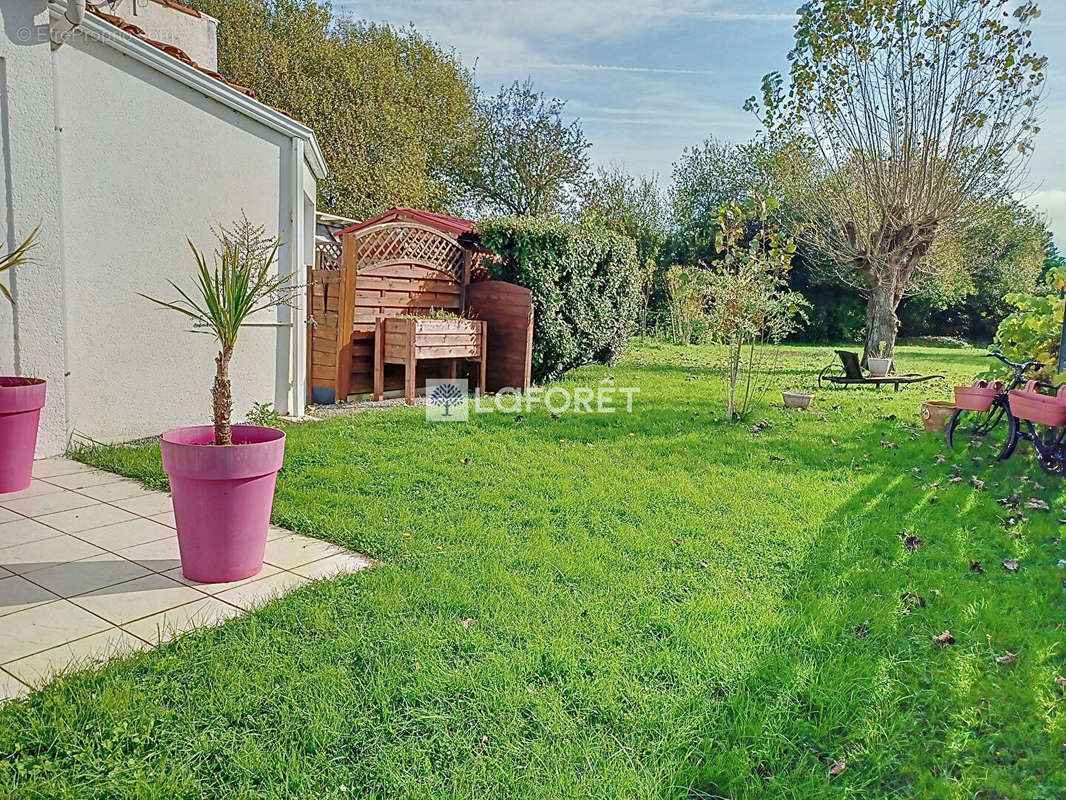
(909, 113)
(527, 160)
(751, 305)
(241, 282)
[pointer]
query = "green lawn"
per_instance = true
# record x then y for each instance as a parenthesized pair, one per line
(656, 605)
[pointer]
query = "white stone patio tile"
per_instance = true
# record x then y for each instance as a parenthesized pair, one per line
(82, 519)
(11, 687)
(164, 519)
(9, 516)
(334, 566)
(161, 628)
(138, 598)
(40, 668)
(23, 530)
(43, 627)
(81, 480)
(215, 588)
(58, 465)
(87, 575)
(260, 592)
(5, 572)
(35, 489)
(18, 594)
(159, 555)
(276, 532)
(63, 500)
(295, 550)
(122, 535)
(115, 490)
(27, 558)
(146, 506)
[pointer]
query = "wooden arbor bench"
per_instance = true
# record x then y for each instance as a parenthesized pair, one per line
(404, 340)
(853, 375)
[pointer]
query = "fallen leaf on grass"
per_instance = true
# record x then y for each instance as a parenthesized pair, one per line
(889, 445)
(1007, 658)
(837, 767)
(1010, 564)
(775, 457)
(1061, 682)
(944, 638)
(703, 565)
(861, 631)
(955, 479)
(911, 542)
(975, 566)
(1009, 502)
(1038, 505)
(977, 483)
(912, 600)
(466, 461)
(466, 623)
(940, 459)
(1062, 563)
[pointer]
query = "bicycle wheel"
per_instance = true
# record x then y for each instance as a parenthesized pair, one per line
(982, 428)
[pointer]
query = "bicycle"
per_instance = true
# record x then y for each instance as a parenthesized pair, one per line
(983, 406)
(1029, 407)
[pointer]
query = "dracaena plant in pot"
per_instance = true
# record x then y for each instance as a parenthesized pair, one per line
(222, 476)
(21, 399)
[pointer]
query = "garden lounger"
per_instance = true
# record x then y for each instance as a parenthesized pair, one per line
(853, 375)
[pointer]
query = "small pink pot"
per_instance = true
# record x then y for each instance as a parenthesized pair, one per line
(1042, 409)
(21, 401)
(978, 397)
(222, 498)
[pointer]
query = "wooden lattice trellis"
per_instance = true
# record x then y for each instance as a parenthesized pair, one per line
(408, 242)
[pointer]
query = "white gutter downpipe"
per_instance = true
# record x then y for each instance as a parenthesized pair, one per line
(74, 16)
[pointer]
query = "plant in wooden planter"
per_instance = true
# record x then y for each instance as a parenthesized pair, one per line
(407, 340)
(21, 399)
(222, 476)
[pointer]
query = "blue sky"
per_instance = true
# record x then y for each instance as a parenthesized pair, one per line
(650, 78)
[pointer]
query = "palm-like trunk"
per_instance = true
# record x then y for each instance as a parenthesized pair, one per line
(222, 397)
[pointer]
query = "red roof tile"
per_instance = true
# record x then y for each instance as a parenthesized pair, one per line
(456, 226)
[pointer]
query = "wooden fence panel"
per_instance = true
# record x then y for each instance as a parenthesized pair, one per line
(508, 310)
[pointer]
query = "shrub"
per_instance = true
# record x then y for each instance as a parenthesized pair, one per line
(1033, 329)
(585, 284)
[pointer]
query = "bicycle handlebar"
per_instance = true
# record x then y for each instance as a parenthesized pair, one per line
(1021, 367)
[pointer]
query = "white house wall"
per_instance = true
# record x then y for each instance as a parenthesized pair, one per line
(30, 199)
(145, 163)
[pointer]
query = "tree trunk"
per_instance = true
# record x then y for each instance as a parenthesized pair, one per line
(222, 398)
(881, 322)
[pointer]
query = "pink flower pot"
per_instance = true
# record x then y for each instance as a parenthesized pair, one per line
(1029, 404)
(222, 498)
(978, 397)
(21, 401)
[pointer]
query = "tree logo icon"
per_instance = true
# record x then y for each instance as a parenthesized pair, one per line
(446, 400)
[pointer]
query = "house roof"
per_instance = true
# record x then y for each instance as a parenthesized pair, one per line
(167, 48)
(175, 62)
(456, 226)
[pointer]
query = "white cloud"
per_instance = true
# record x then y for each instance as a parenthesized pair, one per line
(618, 68)
(1053, 203)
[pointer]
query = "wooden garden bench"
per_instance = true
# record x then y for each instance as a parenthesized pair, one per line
(853, 374)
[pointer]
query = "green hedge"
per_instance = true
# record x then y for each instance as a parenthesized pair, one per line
(585, 284)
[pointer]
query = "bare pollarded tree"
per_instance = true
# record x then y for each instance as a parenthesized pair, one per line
(903, 116)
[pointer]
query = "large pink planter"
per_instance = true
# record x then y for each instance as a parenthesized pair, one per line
(1030, 404)
(222, 498)
(21, 401)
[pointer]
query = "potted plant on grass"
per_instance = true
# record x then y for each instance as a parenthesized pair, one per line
(879, 366)
(222, 476)
(21, 400)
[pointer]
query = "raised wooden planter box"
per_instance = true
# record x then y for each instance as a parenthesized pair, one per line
(399, 340)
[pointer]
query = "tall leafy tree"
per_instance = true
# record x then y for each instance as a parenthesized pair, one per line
(527, 160)
(390, 107)
(637, 208)
(916, 111)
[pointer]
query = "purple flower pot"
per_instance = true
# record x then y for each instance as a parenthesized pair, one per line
(21, 401)
(222, 498)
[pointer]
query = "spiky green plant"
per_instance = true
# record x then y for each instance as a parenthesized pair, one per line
(16, 258)
(224, 296)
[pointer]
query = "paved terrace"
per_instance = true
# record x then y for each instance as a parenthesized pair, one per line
(89, 570)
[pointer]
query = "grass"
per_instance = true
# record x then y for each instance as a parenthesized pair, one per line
(655, 605)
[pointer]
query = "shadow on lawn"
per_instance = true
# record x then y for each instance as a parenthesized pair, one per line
(853, 672)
